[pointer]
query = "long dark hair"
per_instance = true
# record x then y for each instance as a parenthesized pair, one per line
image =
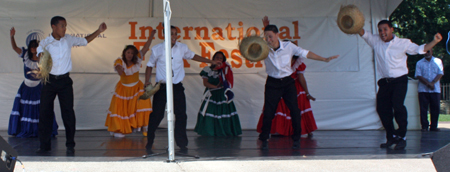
(220, 52)
(33, 44)
(135, 54)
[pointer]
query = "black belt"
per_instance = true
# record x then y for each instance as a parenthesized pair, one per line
(164, 84)
(280, 79)
(59, 76)
(388, 80)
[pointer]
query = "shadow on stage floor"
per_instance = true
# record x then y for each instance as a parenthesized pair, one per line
(99, 145)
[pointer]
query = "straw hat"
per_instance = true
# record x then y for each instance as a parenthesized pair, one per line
(350, 20)
(149, 91)
(254, 48)
(45, 66)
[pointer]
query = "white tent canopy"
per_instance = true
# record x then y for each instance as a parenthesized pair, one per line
(345, 88)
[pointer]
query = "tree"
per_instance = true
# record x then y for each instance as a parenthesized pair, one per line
(420, 20)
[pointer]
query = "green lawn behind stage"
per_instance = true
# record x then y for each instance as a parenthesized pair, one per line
(443, 117)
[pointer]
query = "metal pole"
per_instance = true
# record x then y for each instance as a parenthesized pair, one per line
(169, 86)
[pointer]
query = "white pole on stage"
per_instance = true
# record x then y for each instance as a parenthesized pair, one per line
(169, 86)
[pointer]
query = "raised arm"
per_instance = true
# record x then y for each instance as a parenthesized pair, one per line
(12, 32)
(145, 48)
(314, 56)
(437, 39)
(202, 59)
(361, 32)
(94, 35)
(265, 21)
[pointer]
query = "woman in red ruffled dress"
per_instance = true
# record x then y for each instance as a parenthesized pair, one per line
(281, 123)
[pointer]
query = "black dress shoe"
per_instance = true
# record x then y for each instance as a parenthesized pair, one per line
(401, 144)
(424, 130)
(296, 144)
(435, 129)
(265, 145)
(183, 148)
(70, 151)
(149, 151)
(42, 151)
(388, 143)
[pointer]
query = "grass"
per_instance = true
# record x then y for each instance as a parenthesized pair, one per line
(442, 117)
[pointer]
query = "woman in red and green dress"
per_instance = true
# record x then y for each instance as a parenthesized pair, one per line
(218, 115)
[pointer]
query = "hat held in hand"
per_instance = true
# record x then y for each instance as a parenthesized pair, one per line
(149, 91)
(350, 20)
(254, 48)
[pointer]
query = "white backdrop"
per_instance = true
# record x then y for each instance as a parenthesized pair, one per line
(345, 88)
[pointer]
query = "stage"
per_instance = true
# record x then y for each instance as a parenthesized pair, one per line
(100, 145)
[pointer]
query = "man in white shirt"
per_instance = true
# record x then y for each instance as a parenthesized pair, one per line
(59, 45)
(429, 71)
(391, 67)
(280, 84)
(157, 59)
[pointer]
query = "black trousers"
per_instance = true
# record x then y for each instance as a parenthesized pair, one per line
(390, 104)
(431, 100)
(276, 89)
(62, 86)
(159, 107)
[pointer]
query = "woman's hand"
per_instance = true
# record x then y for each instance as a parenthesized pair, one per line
(12, 32)
(119, 69)
(331, 58)
(310, 97)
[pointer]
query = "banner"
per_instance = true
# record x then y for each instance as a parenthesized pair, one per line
(203, 36)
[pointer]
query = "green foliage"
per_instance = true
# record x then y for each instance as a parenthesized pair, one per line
(420, 20)
(443, 117)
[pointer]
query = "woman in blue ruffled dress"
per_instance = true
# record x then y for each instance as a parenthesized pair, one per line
(24, 118)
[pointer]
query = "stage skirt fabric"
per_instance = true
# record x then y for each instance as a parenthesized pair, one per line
(219, 118)
(282, 124)
(127, 111)
(24, 118)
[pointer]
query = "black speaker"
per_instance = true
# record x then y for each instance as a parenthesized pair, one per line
(8, 156)
(441, 159)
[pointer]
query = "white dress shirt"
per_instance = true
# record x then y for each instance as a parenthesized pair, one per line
(278, 63)
(180, 51)
(60, 51)
(390, 56)
(429, 70)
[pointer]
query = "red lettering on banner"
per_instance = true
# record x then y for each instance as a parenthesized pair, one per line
(217, 34)
(250, 29)
(248, 63)
(241, 31)
(186, 32)
(133, 30)
(237, 60)
(229, 29)
(186, 64)
(207, 48)
(296, 36)
(205, 33)
(285, 33)
(160, 29)
(178, 33)
(143, 29)
(251, 64)
(258, 64)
